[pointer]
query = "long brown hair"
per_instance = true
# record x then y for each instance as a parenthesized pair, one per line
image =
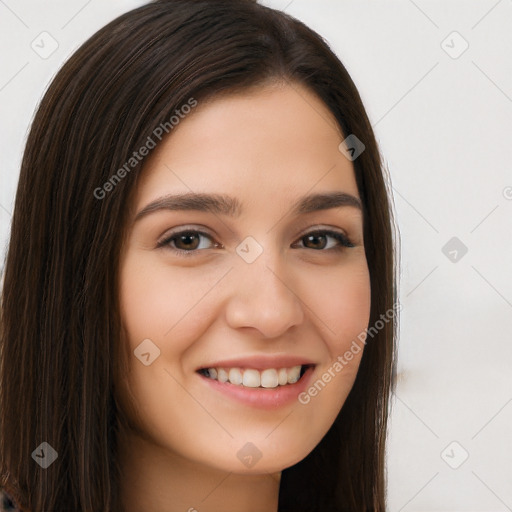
(60, 319)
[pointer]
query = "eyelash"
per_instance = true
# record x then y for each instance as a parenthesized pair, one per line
(344, 241)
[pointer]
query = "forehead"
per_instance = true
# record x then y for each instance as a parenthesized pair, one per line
(270, 144)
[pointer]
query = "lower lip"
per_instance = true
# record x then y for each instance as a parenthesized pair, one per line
(263, 398)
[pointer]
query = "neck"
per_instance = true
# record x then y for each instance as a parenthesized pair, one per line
(154, 478)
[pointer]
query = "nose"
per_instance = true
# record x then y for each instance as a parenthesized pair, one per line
(262, 297)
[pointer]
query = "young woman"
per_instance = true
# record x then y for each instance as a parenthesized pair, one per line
(199, 304)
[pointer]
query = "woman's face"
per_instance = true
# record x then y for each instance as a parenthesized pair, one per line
(231, 284)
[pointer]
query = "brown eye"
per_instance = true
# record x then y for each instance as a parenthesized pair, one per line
(187, 242)
(318, 240)
(315, 241)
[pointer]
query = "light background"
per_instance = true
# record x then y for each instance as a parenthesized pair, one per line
(444, 124)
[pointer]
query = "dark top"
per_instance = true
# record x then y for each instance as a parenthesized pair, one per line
(7, 503)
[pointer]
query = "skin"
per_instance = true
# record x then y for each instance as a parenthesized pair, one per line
(267, 147)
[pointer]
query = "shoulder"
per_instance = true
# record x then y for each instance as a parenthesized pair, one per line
(7, 503)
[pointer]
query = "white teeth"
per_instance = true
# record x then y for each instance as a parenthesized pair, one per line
(235, 376)
(251, 378)
(293, 374)
(269, 378)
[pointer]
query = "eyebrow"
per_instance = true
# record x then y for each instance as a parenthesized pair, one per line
(230, 206)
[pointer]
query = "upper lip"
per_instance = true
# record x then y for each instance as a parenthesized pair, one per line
(260, 362)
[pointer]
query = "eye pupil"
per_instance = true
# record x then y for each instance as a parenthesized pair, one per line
(316, 237)
(188, 239)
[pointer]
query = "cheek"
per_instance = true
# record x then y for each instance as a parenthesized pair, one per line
(341, 301)
(164, 305)
(159, 302)
(342, 306)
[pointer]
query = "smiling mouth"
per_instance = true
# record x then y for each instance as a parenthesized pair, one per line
(269, 378)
